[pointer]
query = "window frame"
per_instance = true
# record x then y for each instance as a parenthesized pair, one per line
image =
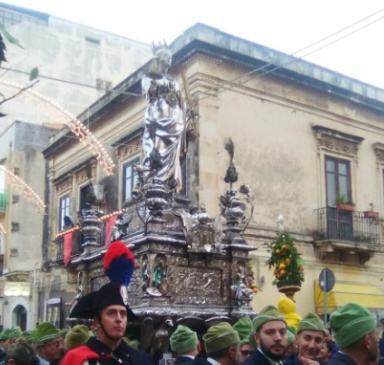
(337, 185)
(61, 216)
(131, 163)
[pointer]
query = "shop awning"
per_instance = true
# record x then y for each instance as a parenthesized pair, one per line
(343, 293)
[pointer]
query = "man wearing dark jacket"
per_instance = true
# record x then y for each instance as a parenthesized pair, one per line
(354, 331)
(109, 310)
(309, 338)
(185, 344)
(270, 333)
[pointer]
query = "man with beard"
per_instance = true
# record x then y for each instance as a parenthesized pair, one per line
(222, 344)
(270, 333)
(355, 333)
(310, 337)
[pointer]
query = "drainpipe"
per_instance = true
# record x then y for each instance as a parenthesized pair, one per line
(35, 292)
(8, 214)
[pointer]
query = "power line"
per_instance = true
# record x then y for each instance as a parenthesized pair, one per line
(289, 56)
(66, 81)
(309, 53)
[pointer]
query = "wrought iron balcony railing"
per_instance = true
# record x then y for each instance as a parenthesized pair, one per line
(60, 248)
(344, 225)
(76, 246)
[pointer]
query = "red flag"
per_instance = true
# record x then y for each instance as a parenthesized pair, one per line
(68, 239)
(108, 228)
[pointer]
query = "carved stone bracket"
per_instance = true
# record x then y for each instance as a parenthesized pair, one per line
(131, 148)
(337, 142)
(64, 186)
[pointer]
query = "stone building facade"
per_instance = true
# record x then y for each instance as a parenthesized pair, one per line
(77, 64)
(304, 137)
(20, 152)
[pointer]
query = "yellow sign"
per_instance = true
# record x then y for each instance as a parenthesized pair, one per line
(17, 289)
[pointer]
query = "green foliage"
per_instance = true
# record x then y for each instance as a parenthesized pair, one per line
(9, 37)
(285, 258)
(341, 198)
(34, 74)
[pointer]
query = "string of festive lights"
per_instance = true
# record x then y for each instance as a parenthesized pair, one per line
(82, 132)
(101, 219)
(107, 216)
(63, 233)
(2, 230)
(23, 188)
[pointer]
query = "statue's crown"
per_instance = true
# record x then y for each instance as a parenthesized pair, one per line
(158, 47)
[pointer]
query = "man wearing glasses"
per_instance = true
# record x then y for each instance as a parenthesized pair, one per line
(48, 343)
(244, 327)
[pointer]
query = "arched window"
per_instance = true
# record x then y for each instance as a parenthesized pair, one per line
(19, 317)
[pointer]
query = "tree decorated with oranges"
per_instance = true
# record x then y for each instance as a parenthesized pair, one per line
(285, 259)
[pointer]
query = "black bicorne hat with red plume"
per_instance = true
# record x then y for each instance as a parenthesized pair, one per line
(119, 265)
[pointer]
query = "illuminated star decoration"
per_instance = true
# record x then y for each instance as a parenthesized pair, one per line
(82, 132)
(24, 189)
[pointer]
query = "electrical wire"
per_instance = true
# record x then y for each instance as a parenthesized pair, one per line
(206, 94)
(291, 55)
(65, 81)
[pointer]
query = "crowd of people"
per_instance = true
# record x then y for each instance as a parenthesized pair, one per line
(351, 338)
(271, 338)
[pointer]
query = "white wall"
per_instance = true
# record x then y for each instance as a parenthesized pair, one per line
(60, 50)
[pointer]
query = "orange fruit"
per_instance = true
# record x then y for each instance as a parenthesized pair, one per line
(287, 261)
(282, 266)
(301, 268)
(277, 251)
(282, 272)
(255, 290)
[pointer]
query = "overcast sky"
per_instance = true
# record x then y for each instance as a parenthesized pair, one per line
(283, 25)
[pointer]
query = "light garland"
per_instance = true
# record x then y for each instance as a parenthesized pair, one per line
(23, 188)
(78, 129)
(2, 230)
(101, 219)
(63, 233)
(107, 216)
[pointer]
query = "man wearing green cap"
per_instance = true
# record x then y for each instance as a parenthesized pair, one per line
(270, 333)
(292, 344)
(244, 327)
(5, 338)
(15, 334)
(355, 333)
(48, 343)
(310, 337)
(222, 344)
(185, 344)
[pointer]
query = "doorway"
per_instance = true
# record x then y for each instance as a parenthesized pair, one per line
(19, 317)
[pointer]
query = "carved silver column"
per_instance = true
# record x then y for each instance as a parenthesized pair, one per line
(90, 228)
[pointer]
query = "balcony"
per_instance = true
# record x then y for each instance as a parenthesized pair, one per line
(76, 246)
(346, 233)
